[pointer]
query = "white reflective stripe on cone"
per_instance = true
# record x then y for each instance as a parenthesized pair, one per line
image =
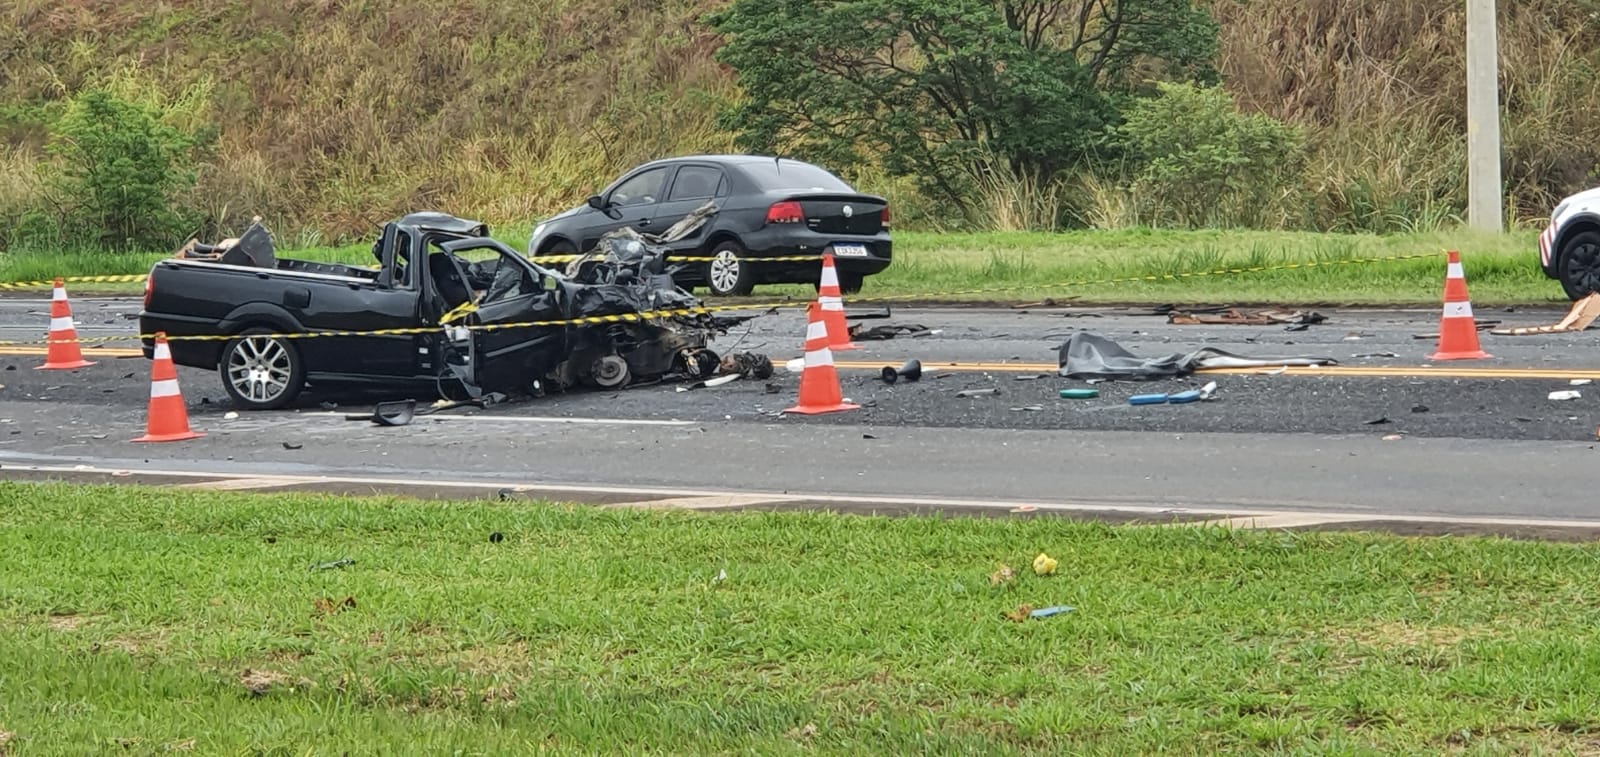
(163, 388)
(819, 358)
(1453, 271)
(63, 323)
(829, 276)
(1458, 310)
(59, 295)
(816, 330)
(162, 352)
(831, 303)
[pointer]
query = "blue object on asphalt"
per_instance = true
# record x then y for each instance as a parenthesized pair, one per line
(1147, 399)
(1181, 397)
(1045, 612)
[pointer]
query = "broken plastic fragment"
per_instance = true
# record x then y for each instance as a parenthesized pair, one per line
(1045, 612)
(990, 392)
(1566, 395)
(1181, 398)
(1209, 390)
(1044, 564)
(1147, 399)
(1079, 394)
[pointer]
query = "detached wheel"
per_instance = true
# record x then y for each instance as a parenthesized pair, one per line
(261, 372)
(610, 372)
(1580, 265)
(727, 275)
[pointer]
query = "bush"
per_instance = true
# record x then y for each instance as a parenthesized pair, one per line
(121, 169)
(1199, 162)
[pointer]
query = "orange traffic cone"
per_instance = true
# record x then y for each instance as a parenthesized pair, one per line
(819, 381)
(169, 419)
(63, 353)
(832, 302)
(1458, 334)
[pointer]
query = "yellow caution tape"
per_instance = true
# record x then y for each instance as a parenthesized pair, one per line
(461, 311)
(1153, 277)
(690, 259)
(129, 278)
(467, 308)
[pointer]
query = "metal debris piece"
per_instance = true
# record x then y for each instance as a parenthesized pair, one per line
(1376, 354)
(882, 333)
(1236, 317)
(1580, 317)
(990, 392)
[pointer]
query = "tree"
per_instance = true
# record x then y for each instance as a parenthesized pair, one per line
(942, 89)
(121, 170)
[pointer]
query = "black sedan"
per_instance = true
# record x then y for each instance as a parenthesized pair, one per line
(767, 207)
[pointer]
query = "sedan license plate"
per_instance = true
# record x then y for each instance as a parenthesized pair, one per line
(850, 250)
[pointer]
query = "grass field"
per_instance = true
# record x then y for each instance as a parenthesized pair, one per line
(1088, 266)
(157, 620)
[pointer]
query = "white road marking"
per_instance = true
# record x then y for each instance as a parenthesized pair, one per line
(928, 502)
(532, 419)
(239, 484)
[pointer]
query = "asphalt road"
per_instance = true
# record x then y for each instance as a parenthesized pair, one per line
(1368, 446)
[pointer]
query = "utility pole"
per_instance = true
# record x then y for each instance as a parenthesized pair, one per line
(1485, 197)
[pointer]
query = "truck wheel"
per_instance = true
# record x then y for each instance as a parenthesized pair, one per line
(261, 372)
(1580, 265)
(726, 274)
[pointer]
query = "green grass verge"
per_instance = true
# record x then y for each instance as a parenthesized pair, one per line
(163, 618)
(1023, 267)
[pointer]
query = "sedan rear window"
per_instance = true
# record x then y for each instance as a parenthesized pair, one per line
(793, 175)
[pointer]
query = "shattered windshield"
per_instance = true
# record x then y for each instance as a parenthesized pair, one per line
(493, 276)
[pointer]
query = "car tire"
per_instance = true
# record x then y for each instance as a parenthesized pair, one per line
(560, 247)
(261, 372)
(1580, 265)
(726, 274)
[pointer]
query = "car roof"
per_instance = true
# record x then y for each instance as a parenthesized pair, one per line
(723, 159)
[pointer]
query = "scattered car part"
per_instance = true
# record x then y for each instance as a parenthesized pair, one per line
(1208, 391)
(1079, 394)
(910, 369)
(1045, 612)
(978, 392)
(610, 371)
(1580, 317)
(1182, 398)
(1147, 399)
(708, 383)
(1088, 356)
(750, 365)
(1570, 394)
(880, 333)
(1238, 317)
(392, 413)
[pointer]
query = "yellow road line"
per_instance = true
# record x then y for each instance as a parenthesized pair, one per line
(1373, 371)
(88, 352)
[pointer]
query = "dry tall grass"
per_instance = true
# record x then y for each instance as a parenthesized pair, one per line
(336, 115)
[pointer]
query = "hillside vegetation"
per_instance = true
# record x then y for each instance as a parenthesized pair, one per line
(328, 117)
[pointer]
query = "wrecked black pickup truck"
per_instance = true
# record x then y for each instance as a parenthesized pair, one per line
(439, 281)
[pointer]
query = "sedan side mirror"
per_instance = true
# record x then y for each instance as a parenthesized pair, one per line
(596, 202)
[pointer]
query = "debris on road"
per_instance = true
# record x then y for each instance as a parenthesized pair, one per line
(1419, 409)
(1375, 354)
(1393, 438)
(1570, 394)
(1378, 421)
(290, 445)
(1579, 382)
(1182, 398)
(749, 365)
(1580, 317)
(1086, 356)
(1028, 409)
(990, 392)
(1044, 564)
(883, 333)
(1236, 317)
(1208, 391)
(1147, 399)
(395, 413)
(1480, 325)
(911, 370)
(1079, 394)
(708, 383)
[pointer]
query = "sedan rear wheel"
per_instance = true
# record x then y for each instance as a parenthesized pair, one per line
(261, 372)
(727, 275)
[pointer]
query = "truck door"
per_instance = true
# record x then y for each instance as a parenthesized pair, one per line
(509, 291)
(391, 302)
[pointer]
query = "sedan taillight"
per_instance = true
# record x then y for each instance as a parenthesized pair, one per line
(788, 211)
(886, 216)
